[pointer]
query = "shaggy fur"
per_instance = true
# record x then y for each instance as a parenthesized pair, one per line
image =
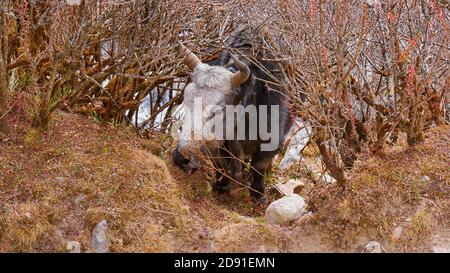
(212, 82)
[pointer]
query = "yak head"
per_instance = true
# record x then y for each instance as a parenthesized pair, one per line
(206, 97)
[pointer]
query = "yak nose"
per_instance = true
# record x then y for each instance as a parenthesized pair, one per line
(182, 161)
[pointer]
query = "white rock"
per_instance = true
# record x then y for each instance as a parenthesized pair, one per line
(299, 139)
(440, 249)
(398, 231)
(80, 199)
(100, 241)
(74, 2)
(328, 178)
(372, 2)
(73, 247)
(285, 210)
(290, 187)
(60, 179)
(426, 179)
(441, 242)
(373, 247)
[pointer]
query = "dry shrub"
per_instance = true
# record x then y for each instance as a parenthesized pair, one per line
(360, 72)
(26, 225)
(386, 190)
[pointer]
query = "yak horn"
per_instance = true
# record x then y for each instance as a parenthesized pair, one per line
(242, 75)
(190, 59)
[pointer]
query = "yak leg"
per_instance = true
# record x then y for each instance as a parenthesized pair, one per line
(222, 184)
(260, 164)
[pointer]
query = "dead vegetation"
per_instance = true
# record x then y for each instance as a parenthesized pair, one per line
(370, 77)
(407, 187)
(56, 186)
(360, 72)
(62, 183)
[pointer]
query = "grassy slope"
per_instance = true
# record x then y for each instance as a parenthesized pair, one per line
(56, 187)
(405, 188)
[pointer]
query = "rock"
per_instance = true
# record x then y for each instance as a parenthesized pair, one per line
(372, 3)
(100, 241)
(397, 233)
(373, 247)
(440, 249)
(328, 178)
(73, 2)
(426, 179)
(28, 215)
(298, 142)
(285, 210)
(80, 199)
(60, 179)
(441, 242)
(73, 247)
(290, 187)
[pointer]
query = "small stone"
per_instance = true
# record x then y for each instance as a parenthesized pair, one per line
(285, 210)
(440, 249)
(298, 141)
(60, 179)
(74, 2)
(73, 247)
(328, 178)
(100, 241)
(290, 187)
(373, 247)
(398, 231)
(80, 199)
(441, 242)
(426, 178)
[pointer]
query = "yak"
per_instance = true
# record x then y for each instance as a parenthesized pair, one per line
(234, 82)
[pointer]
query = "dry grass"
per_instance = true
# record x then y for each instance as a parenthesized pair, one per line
(79, 173)
(55, 187)
(406, 187)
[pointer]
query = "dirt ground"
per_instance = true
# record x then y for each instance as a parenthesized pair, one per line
(55, 187)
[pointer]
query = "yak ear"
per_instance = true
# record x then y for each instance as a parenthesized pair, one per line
(242, 75)
(190, 59)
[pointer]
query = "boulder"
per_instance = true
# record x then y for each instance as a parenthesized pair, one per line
(373, 247)
(100, 240)
(284, 210)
